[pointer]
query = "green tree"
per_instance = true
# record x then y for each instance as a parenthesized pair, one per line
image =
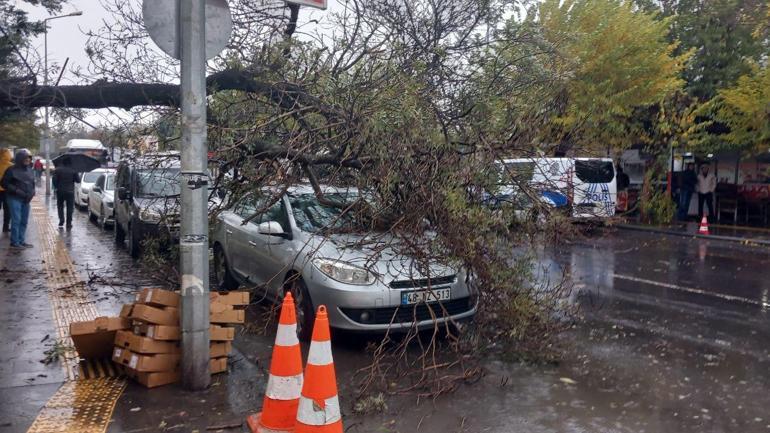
(613, 58)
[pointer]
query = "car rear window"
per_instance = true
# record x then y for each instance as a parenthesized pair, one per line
(595, 171)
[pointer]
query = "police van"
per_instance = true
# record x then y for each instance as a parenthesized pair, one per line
(586, 185)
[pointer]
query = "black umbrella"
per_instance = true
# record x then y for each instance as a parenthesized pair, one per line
(77, 161)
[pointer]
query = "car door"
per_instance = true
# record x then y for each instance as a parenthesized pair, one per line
(280, 249)
(236, 241)
(95, 196)
(258, 263)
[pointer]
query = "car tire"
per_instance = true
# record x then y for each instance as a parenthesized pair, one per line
(304, 307)
(102, 220)
(134, 244)
(120, 234)
(222, 275)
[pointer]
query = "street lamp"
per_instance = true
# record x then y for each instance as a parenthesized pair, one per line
(47, 136)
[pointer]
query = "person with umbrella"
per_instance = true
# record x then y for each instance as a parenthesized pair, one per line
(64, 179)
(19, 184)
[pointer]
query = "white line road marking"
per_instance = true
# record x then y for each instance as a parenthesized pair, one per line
(692, 290)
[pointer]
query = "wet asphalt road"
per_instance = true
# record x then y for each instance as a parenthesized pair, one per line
(676, 338)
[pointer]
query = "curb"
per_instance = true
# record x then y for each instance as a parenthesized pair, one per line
(740, 240)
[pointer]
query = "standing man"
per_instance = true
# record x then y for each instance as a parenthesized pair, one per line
(688, 183)
(5, 163)
(65, 178)
(19, 184)
(707, 184)
(622, 182)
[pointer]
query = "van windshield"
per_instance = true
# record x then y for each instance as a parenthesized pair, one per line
(595, 171)
(157, 182)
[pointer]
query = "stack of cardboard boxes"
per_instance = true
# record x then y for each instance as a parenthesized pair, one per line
(150, 351)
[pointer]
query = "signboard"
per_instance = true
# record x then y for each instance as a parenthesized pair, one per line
(318, 4)
(161, 18)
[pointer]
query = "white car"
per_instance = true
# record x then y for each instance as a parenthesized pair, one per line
(101, 200)
(87, 180)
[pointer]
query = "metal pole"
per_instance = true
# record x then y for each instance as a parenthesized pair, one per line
(194, 251)
(46, 133)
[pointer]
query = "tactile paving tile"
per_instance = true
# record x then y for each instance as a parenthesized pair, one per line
(86, 401)
(80, 406)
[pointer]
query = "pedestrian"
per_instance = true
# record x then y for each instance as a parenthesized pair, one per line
(38, 167)
(5, 162)
(65, 178)
(623, 182)
(707, 184)
(19, 184)
(688, 181)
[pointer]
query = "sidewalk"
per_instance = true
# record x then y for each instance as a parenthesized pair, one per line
(740, 234)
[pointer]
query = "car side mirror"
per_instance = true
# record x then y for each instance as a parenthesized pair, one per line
(96, 189)
(123, 193)
(271, 228)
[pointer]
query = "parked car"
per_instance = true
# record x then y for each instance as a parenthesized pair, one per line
(147, 200)
(101, 200)
(87, 181)
(309, 248)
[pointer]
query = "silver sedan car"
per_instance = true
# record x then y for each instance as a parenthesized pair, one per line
(301, 245)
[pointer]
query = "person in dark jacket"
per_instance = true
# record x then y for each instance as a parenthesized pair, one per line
(65, 178)
(19, 184)
(688, 181)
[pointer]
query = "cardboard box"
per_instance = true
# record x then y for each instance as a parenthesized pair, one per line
(152, 380)
(155, 315)
(158, 332)
(228, 316)
(221, 333)
(217, 350)
(145, 363)
(217, 307)
(93, 338)
(230, 298)
(158, 298)
(125, 311)
(218, 365)
(139, 344)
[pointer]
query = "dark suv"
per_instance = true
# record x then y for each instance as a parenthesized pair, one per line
(147, 200)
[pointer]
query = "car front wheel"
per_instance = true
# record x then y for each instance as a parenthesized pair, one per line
(303, 307)
(224, 279)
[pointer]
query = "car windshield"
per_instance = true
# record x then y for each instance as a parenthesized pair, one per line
(91, 177)
(158, 182)
(595, 171)
(109, 185)
(312, 216)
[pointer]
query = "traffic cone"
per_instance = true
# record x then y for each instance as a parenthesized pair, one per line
(279, 410)
(704, 226)
(319, 406)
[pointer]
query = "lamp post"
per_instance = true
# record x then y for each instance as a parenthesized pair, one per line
(47, 135)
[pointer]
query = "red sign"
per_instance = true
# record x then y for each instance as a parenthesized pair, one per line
(755, 191)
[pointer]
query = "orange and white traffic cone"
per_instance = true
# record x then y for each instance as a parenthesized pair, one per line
(703, 229)
(279, 410)
(319, 406)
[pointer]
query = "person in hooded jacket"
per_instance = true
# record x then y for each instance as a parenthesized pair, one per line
(5, 162)
(19, 184)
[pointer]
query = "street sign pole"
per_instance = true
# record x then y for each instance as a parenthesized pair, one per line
(193, 245)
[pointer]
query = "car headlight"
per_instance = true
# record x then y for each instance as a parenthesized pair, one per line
(345, 272)
(149, 215)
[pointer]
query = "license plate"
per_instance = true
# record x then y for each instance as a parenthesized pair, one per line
(427, 296)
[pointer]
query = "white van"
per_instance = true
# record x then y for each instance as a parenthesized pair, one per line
(92, 148)
(588, 185)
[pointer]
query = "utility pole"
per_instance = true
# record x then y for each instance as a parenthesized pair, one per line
(194, 245)
(47, 132)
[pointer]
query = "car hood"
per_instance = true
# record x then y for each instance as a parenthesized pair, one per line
(380, 253)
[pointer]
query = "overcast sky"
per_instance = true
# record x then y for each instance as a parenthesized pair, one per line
(67, 37)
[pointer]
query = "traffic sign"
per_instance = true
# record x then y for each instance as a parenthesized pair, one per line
(320, 4)
(161, 18)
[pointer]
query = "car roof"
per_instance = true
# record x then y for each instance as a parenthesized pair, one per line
(82, 143)
(306, 188)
